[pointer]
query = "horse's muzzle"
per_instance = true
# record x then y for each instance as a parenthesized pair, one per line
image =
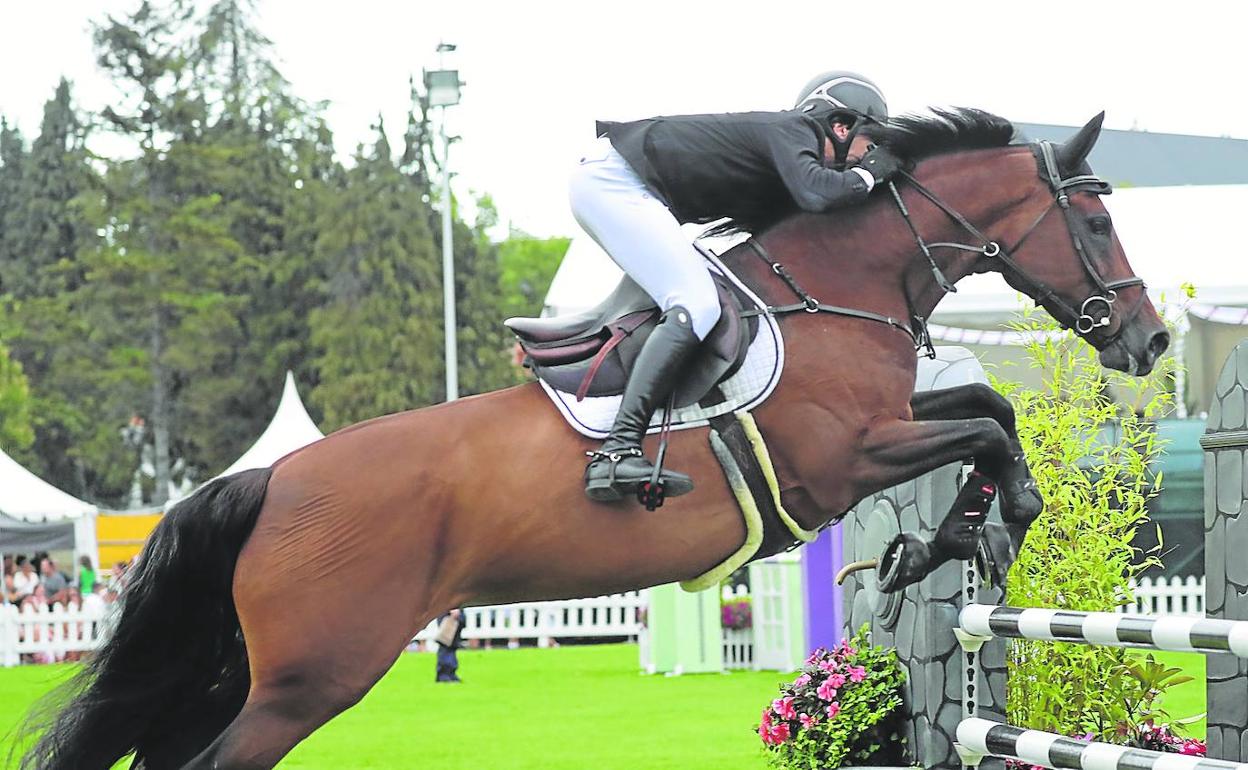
(1136, 351)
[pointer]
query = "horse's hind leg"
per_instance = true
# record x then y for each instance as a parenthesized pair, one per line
(288, 702)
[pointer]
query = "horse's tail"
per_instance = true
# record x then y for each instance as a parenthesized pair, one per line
(174, 666)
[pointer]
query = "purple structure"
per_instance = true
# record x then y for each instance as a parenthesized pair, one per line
(821, 560)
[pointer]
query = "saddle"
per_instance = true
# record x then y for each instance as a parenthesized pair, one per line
(592, 353)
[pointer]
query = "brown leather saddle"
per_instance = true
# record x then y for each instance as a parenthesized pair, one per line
(592, 353)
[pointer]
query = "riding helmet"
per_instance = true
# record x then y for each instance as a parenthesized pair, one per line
(848, 94)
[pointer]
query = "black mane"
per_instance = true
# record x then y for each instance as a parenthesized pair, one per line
(913, 137)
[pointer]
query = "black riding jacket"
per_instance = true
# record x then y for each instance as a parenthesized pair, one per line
(740, 165)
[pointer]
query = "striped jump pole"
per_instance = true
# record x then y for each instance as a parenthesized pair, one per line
(1107, 628)
(978, 738)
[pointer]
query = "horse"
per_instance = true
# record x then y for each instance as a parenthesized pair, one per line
(240, 634)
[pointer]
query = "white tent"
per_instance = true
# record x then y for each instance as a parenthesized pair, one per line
(36, 516)
(291, 428)
(1172, 236)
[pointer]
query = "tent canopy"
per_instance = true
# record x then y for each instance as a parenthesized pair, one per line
(36, 516)
(291, 428)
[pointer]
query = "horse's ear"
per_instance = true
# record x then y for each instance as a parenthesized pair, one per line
(1072, 153)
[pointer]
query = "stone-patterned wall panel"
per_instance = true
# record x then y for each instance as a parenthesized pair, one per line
(1226, 542)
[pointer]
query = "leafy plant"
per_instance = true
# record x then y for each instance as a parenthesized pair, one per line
(1091, 457)
(837, 711)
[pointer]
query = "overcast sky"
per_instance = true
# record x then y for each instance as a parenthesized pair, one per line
(538, 73)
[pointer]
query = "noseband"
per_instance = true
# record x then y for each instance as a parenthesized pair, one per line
(1088, 317)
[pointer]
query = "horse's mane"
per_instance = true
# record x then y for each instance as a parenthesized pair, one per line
(913, 137)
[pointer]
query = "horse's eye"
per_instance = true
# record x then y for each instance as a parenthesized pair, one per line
(1099, 225)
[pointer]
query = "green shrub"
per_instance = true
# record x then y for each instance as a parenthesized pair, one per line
(1091, 457)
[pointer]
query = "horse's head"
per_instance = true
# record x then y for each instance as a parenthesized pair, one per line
(1068, 258)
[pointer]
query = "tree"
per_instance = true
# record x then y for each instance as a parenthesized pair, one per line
(12, 164)
(15, 425)
(43, 229)
(378, 333)
(527, 267)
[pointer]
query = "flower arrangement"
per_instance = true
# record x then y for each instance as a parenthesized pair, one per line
(836, 712)
(736, 614)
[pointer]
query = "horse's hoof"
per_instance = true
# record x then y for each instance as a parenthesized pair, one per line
(996, 553)
(906, 561)
(1021, 502)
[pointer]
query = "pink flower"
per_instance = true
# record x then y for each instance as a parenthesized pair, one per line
(857, 674)
(802, 680)
(837, 680)
(1193, 748)
(814, 656)
(780, 733)
(784, 707)
(826, 690)
(808, 721)
(833, 709)
(827, 665)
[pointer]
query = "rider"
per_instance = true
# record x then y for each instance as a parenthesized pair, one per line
(641, 180)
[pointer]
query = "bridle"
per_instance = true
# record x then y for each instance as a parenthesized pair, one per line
(1087, 318)
(1083, 320)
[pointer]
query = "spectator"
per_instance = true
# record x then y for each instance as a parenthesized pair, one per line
(25, 579)
(117, 580)
(86, 576)
(448, 637)
(55, 583)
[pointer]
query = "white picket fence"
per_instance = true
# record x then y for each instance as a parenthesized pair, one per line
(602, 616)
(51, 632)
(1173, 596)
(48, 633)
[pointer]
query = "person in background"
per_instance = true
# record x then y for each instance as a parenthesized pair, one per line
(86, 576)
(449, 639)
(24, 579)
(55, 583)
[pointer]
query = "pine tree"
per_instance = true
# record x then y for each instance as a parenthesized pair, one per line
(378, 333)
(12, 164)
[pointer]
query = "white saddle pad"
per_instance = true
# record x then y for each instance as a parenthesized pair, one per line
(746, 389)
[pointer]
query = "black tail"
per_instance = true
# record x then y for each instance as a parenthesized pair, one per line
(173, 672)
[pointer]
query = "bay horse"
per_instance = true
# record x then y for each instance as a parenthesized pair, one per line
(244, 628)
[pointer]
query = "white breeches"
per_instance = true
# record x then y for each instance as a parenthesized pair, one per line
(618, 211)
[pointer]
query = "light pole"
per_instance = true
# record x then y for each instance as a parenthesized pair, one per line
(442, 88)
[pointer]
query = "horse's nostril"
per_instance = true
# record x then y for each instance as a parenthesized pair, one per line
(1158, 343)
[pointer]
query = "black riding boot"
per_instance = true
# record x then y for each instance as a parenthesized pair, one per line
(618, 468)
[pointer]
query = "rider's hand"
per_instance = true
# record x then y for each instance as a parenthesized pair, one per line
(880, 163)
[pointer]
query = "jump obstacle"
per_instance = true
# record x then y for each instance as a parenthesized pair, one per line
(950, 632)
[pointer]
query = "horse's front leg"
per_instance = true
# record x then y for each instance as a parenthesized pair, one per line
(1021, 502)
(900, 450)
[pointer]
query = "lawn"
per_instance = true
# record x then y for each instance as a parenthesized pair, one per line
(571, 707)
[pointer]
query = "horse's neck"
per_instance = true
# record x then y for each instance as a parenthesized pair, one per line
(868, 259)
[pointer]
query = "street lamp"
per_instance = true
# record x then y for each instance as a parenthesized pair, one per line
(442, 89)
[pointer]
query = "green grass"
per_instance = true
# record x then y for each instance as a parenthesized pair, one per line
(1186, 700)
(571, 707)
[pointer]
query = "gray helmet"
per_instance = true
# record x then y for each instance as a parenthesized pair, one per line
(843, 91)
